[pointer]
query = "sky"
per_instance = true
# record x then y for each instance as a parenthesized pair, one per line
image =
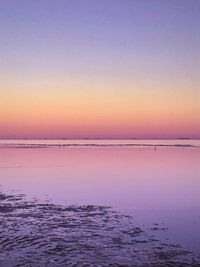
(99, 69)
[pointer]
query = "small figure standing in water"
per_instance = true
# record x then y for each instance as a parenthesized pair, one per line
(155, 148)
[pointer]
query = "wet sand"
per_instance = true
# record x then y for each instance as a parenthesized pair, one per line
(44, 234)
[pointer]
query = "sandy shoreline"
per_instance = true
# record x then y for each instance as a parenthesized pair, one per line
(45, 234)
(95, 145)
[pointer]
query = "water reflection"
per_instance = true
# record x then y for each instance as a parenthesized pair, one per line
(153, 185)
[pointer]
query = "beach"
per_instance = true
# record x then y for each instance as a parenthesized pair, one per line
(99, 206)
(99, 133)
(45, 234)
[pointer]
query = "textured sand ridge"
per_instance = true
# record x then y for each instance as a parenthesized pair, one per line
(44, 234)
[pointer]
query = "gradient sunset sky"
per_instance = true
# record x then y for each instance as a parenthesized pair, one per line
(99, 68)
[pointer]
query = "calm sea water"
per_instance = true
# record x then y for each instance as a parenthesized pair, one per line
(159, 185)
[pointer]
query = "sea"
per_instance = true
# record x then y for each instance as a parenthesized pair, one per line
(157, 182)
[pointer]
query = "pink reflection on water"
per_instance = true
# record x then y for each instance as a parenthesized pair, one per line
(153, 185)
(136, 178)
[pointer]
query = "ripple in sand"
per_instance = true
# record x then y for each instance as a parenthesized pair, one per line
(44, 234)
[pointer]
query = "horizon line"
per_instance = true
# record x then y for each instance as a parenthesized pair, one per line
(103, 138)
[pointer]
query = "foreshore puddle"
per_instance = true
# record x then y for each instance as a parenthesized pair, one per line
(44, 234)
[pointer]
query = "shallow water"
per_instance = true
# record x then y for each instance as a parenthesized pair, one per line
(44, 234)
(154, 186)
